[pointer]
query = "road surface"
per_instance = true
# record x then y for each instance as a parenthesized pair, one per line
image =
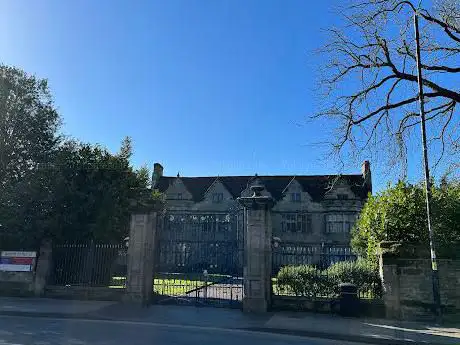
(48, 331)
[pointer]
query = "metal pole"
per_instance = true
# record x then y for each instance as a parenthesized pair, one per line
(434, 266)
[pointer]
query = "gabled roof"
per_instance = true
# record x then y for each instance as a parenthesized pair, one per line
(315, 185)
(287, 186)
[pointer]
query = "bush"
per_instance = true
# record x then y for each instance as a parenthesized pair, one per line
(398, 214)
(303, 280)
(364, 274)
(306, 280)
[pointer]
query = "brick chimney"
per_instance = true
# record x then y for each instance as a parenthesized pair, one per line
(367, 176)
(157, 173)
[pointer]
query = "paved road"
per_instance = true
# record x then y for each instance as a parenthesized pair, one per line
(47, 331)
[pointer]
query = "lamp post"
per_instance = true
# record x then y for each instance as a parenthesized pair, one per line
(426, 168)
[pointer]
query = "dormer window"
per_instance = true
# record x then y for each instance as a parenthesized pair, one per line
(217, 197)
(296, 197)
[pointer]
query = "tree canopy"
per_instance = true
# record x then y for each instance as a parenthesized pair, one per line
(369, 81)
(51, 186)
(398, 214)
(28, 124)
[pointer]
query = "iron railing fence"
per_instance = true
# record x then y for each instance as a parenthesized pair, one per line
(89, 264)
(296, 253)
(194, 243)
(317, 278)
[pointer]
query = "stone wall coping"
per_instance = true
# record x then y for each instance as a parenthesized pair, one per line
(393, 249)
(139, 207)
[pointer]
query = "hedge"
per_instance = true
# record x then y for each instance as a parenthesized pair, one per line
(308, 281)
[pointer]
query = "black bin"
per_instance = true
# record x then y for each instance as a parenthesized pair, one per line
(349, 302)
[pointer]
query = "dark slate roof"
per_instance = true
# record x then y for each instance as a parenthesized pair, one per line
(316, 186)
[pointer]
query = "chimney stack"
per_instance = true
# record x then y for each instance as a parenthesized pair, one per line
(157, 173)
(367, 176)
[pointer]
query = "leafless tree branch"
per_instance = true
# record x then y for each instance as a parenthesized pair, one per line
(377, 68)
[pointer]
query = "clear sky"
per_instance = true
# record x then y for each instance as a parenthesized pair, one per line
(205, 87)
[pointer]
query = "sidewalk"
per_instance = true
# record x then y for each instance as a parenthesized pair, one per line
(304, 324)
(361, 329)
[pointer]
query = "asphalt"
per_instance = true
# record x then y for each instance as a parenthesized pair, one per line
(50, 331)
(322, 326)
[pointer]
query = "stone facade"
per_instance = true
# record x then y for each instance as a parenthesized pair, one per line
(248, 212)
(317, 211)
(257, 247)
(141, 256)
(16, 283)
(408, 289)
(43, 268)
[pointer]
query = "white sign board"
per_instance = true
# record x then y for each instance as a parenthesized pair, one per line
(17, 261)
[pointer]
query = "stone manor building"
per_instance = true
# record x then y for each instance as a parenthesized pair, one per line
(312, 215)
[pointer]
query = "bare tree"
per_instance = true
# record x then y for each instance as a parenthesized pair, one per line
(370, 80)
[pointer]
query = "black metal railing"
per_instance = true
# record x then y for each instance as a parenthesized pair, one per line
(89, 265)
(309, 270)
(192, 243)
(199, 259)
(295, 253)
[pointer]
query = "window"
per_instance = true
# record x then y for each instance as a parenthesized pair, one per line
(342, 196)
(339, 223)
(295, 197)
(217, 197)
(179, 196)
(295, 222)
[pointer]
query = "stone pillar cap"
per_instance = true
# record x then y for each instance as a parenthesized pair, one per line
(257, 190)
(257, 200)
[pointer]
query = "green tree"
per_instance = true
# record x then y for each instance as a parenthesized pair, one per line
(398, 214)
(28, 140)
(28, 124)
(126, 150)
(55, 187)
(92, 191)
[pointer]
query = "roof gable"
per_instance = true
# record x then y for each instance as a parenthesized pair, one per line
(295, 186)
(217, 185)
(316, 186)
(175, 187)
(340, 186)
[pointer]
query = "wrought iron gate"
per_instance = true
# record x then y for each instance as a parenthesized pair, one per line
(200, 259)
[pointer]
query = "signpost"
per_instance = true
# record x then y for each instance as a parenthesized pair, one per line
(15, 261)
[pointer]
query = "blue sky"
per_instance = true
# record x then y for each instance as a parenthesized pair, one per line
(205, 87)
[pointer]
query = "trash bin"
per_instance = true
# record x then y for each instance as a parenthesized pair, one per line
(349, 302)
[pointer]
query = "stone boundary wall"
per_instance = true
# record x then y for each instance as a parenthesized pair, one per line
(84, 293)
(408, 291)
(16, 283)
(367, 307)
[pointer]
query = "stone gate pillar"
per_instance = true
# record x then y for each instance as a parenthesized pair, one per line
(257, 250)
(141, 256)
(43, 268)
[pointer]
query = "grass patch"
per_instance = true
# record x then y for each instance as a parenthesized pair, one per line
(163, 286)
(175, 287)
(118, 283)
